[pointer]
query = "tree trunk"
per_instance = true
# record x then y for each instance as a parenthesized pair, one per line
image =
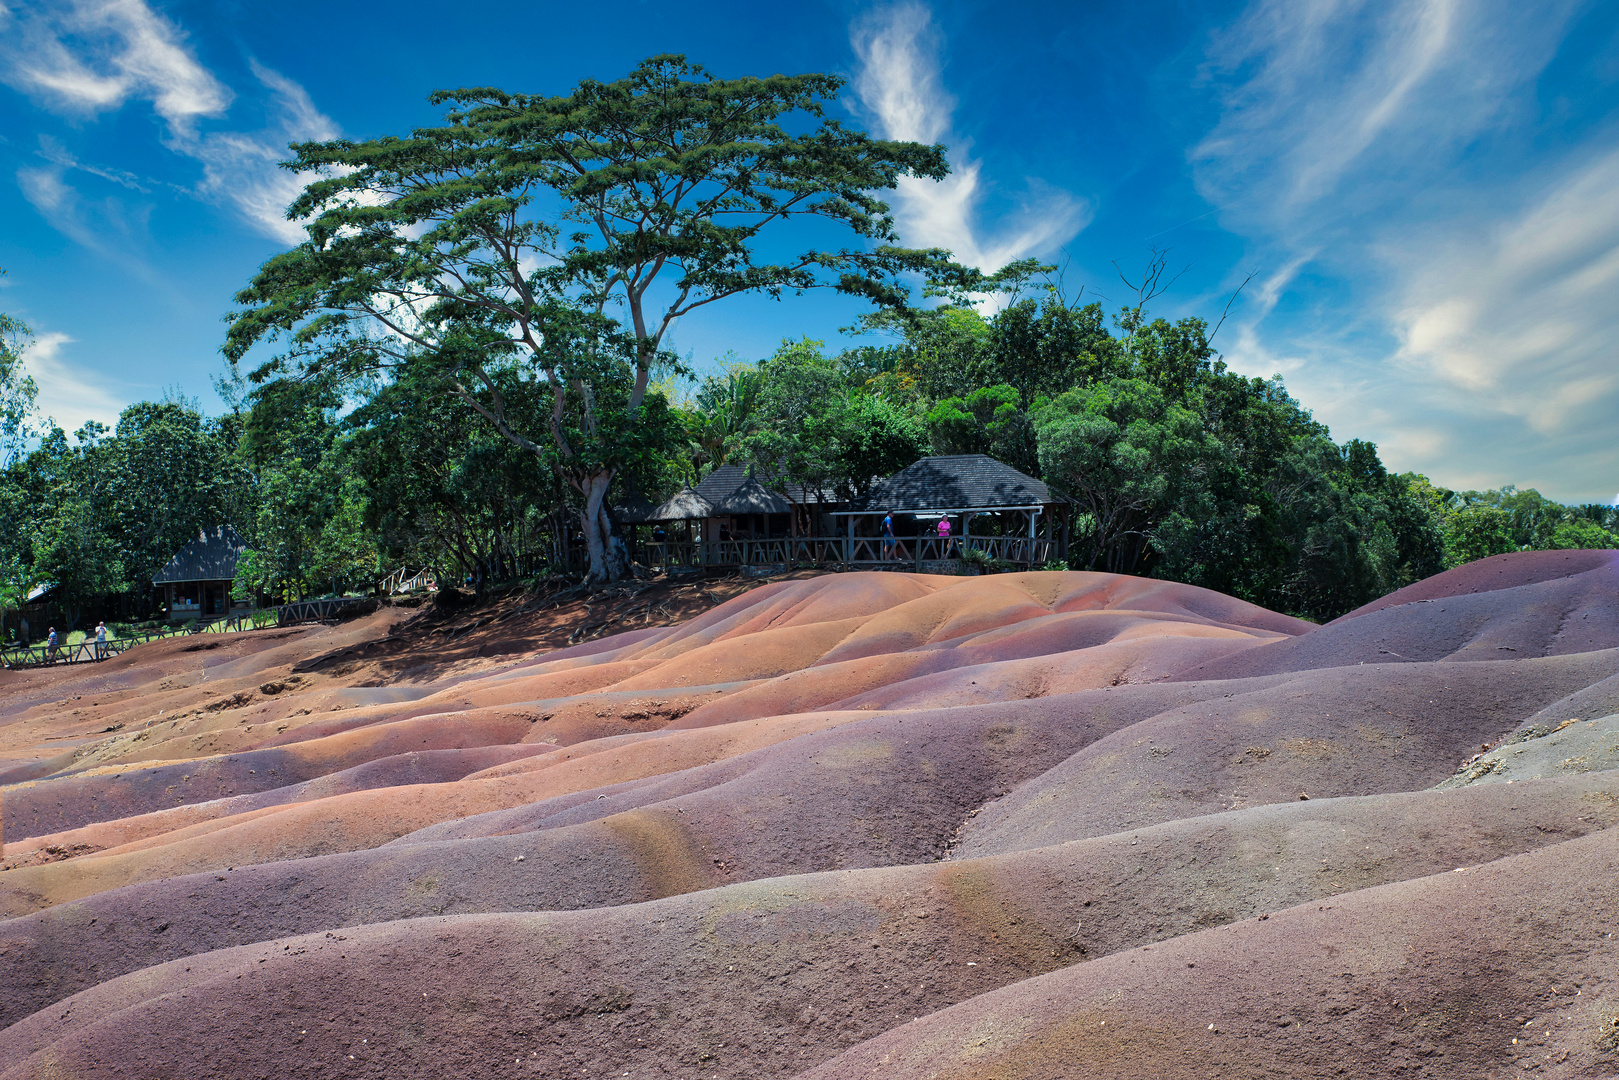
(606, 563)
(618, 553)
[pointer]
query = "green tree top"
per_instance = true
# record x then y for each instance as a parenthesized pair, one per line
(17, 390)
(566, 235)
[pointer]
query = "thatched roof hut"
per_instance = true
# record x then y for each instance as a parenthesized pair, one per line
(752, 497)
(683, 505)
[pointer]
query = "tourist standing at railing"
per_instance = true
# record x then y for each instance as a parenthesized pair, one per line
(888, 536)
(944, 537)
(101, 640)
(50, 646)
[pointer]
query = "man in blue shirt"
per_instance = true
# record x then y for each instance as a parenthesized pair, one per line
(888, 536)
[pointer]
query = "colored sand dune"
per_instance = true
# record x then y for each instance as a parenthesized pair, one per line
(1029, 825)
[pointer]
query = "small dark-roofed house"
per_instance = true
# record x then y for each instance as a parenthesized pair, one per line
(721, 482)
(197, 581)
(719, 487)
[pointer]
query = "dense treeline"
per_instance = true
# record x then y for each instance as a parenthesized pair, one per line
(1178, 468)
(465, 365)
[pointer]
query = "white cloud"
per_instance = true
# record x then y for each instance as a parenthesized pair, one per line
(57, 154)
(1524, 319)
(244, 169)
(1358, 100)
(1441, 291)
(92, 55)
(105, 226)
(88, 56)
(900, 83)
(69, 396)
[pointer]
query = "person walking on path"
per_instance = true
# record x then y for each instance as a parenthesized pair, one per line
(50, 646)
(101, 641)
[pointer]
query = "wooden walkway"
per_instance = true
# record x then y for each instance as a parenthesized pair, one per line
(88, 651)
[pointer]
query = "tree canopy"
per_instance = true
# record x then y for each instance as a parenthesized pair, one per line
(561, 238)
(466, 366)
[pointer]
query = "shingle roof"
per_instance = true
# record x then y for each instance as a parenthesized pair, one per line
(721, 482)
(209, 556)
(956, 482)
(724, 482)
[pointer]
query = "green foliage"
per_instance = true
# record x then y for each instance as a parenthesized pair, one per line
(170, 472)
(1477, 524)
(1580, 533)
(526, 235)
(73, 549)
(1478, 532)
(988, 421)
(1044, 349)
(876, 437)
(812, 429)
(722, 414)
(799, 416)
(306, 532)
(1129, 456)
(443, 488)
(18, 391)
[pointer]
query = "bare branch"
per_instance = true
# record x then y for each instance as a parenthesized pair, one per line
(1228, 303)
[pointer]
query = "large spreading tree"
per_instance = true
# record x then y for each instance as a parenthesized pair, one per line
(558, 239)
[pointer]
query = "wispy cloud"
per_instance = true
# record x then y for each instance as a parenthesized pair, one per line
(1355, 102)
(93, 55)
(89, 56)
(57, 154)
(243, 169)
(106, 226)
(1523, 318)
(1437, 292)
(69, 396)
(900, 83)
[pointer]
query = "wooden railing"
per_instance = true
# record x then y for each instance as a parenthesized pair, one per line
(89, 650)
(1021, 550)
(842, 550)
(402, 580)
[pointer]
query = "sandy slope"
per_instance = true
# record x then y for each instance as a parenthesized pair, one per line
(863, 824)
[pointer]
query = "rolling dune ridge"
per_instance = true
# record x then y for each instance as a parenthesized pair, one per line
(1026, 825)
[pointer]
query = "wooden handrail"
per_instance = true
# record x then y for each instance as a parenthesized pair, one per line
(844, 550)
(86, 651)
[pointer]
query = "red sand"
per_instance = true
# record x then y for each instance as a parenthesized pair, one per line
(863, 824)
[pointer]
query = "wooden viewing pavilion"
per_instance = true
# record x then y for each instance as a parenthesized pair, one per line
(197, 581)
(733, 518)
(1028, 525)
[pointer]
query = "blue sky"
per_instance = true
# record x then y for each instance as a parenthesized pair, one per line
(1426, 193)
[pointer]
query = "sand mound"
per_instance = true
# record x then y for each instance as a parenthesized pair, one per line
(859, 824)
